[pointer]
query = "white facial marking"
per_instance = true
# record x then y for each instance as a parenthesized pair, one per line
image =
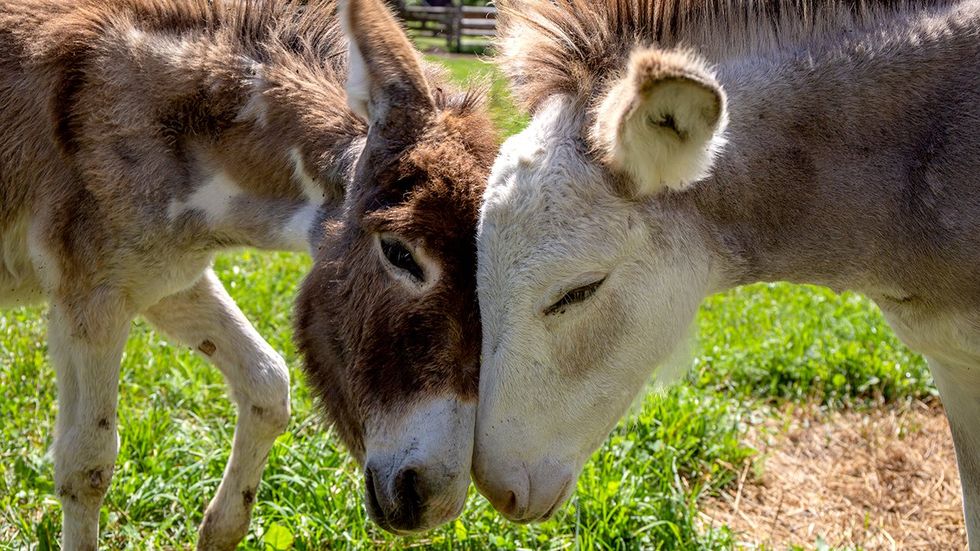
(313, 192)
(433, 438)
(213, 198)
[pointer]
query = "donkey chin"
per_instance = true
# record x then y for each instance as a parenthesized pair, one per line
(417, 464)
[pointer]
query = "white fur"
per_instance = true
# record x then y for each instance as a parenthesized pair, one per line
(659, 157)
(959, 388)
(46, 266)
(296, 233)
(313, 192)
(169, 48)
(85, 443)
(259, 381)
(358, 85)
(256, 109)
(550, 223)
(213, 198)
(951, 343)
(435, 439)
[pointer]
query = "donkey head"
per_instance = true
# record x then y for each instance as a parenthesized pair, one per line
(388, 318)
(586, 278)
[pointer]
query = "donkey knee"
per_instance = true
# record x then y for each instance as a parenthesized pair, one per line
(86, 486)
(267, 403)
(274, 418)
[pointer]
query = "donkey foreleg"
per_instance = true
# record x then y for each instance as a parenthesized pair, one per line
(205, 318)
(959, 388)
(86, 339)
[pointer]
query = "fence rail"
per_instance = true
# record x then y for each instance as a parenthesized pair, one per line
(452, 22)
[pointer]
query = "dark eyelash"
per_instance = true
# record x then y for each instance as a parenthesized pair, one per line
(579, 294)
(400, 257)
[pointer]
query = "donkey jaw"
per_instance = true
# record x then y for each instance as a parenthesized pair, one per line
(417, 464)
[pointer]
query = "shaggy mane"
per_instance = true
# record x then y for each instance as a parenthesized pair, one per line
(571, 47)
(254, 25)
(268, 31)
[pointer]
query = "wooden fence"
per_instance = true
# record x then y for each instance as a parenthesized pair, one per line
(452, 22)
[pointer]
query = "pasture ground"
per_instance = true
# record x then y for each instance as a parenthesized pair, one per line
(717, 448)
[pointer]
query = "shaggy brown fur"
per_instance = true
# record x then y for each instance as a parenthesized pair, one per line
(140, 137)
(350, 314)
(375, 346)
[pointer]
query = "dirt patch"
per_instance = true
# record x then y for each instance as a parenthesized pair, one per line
(882, 479)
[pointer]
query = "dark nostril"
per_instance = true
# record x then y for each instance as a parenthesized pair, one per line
(370, 481)
(409, 498)
(511, 506)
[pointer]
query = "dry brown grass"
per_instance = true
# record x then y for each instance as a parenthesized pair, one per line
(884, 479)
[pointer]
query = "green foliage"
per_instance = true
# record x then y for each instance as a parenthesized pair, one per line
(785, 342)
(472, 69)
(771, 343)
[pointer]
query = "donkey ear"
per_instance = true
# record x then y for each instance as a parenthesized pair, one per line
(385, 81)
(662, 123)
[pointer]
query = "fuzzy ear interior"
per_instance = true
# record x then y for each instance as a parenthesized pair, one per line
(662, 123)
(385, 76)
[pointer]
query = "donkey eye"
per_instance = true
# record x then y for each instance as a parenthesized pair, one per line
(400, 257)
(579, 294)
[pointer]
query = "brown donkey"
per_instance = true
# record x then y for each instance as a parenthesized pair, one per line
(388, 318)
(140, 137)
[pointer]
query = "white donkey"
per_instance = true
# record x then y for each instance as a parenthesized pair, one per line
(830, 146)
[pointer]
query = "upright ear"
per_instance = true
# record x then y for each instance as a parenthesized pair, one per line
(662, 123)
(386, 84)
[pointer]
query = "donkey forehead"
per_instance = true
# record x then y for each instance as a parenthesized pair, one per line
(546, 189)
(535, 234)
(548, 159)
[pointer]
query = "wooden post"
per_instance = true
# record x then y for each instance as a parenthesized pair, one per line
(449, 27)
(459, 27)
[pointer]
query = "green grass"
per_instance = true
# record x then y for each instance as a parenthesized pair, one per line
(477, 69)
(765, 344)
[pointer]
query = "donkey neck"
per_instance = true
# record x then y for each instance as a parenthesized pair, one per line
(269, 148)
(840, 165)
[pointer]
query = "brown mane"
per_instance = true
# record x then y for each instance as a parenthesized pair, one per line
(261, 27)
(573, 47)
(300, 42)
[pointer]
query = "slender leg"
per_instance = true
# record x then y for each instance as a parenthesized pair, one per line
(207, 319)
(959, 388)
(86, 337)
